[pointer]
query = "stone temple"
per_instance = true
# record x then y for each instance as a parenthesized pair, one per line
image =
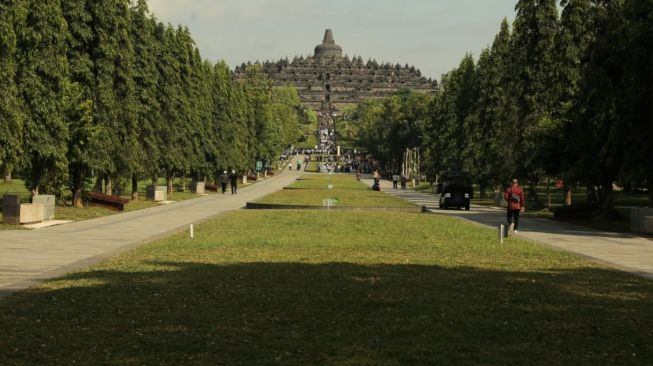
(329, 81)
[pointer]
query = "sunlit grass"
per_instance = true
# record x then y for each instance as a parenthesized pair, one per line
(335, 288)
(312, 189)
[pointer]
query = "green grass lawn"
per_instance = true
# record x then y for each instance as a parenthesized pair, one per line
(311, 189)
(333, 288)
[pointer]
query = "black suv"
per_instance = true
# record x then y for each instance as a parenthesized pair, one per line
(455, 191)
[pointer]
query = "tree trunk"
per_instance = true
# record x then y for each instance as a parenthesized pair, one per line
(108, 188)
(482, 186)
(591, 193)
(77, 198)
(183, 183)
(134, 187)
(498, 196)
(170, 180)
(607, 196)
(650, 189)
(8, 176)
(548, 194)
(98, 184)
(568, 196)
(532, 192)
(76, 188)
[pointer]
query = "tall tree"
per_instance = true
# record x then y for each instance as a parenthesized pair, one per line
(226, 128)
(12, 17)
(533, 83)
(115, 108)
(638, 98)
(42, 79)
(597, 112)
(84, 134)
(146, 83)
(452, 115)
(175, 108)
(263, 134)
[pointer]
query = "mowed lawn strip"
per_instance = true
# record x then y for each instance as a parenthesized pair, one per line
(271, 287)
(312, 189)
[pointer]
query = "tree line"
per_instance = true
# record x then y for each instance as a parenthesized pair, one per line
(561, 94)
(100, 93)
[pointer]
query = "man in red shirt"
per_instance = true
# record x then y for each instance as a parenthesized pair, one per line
(515, 197)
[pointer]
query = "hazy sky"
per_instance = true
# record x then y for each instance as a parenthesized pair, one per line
(432, 35)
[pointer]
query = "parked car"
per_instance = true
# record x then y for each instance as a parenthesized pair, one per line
(455, 191)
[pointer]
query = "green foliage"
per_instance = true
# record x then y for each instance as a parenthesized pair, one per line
(12, 14)
(42, 75)
(385, 128)
(99, 90)
(560, 97)
(146, 82)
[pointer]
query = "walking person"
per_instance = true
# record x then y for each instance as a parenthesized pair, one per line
(224, 180)
(377, 181)
(403, 181)
(233, 180)
(395, 180)
(514, 195)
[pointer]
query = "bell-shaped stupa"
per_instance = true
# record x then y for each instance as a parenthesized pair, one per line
(328, 49)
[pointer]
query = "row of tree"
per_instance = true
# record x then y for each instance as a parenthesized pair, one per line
(100, 92)
(563, 95)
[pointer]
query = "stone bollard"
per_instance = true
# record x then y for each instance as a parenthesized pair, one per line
(198, 187)
(11, 209)
(48, 202)
(157, 193)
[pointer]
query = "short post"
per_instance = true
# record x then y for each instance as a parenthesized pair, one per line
(502, 231)
(192, 234)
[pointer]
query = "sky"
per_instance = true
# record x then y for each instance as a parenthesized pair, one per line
(432, 35)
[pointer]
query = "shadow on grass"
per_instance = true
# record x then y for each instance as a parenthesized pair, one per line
(333, 314)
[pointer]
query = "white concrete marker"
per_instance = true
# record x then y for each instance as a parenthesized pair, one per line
(192, 234)
(501, 232)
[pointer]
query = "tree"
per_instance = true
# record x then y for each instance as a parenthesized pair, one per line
(599, 121)
(637, 99)
(78, 97)
(146, 83)
(226, 126)
(533, 83)
(12, 16)
(114, 103)
(448, 140)
(286, 112)
(42, 79)
(264, 136)
(83, 141)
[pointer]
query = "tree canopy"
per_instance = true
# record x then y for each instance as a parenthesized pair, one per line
(97, 93)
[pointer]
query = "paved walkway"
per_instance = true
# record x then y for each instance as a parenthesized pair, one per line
(626, 252)
(28, 257)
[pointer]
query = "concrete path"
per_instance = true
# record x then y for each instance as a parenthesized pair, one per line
(624, 251)
(28, 257)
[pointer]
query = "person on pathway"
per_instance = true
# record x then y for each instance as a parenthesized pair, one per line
(224, 180)
(233, 179)
(514, 195)
(377, 181)
(395, 181)
(403, 181)
(299, 165)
